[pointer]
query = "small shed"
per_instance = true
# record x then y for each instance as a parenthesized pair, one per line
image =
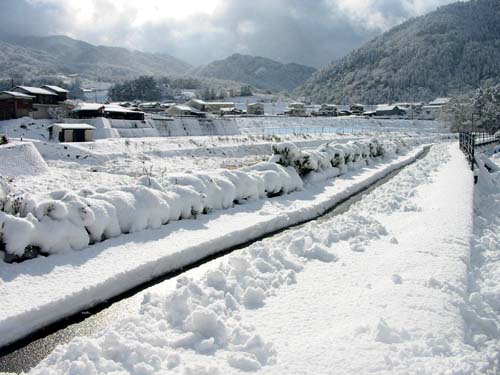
(15, 105)
(255, 109)
(62, 94)
(88, 110)
(71, 132)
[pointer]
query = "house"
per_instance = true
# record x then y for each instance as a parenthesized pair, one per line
(88, 110)
(326, 110)
(296, 109)
(256, 109)
(232, 111)
(152, 107)
(44, 101)
(182, 110)
(439, 102)
(412, 109)
(357, 109)
(217, 107)
(121, 113)
(385, 110)
(41, 96)
(214, 107)
(433, 110)
(198, 104)
(71, 132)
(62, 94)
(15, 105)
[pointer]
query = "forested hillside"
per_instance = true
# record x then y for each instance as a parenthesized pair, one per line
(259, 72)
(29, 56)
(453, 49)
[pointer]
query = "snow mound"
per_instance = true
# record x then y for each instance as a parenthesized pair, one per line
(21, 159)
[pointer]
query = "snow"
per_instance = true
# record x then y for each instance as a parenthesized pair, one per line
(69, 281)
(406, 307)
(21, 159)
(63, 220)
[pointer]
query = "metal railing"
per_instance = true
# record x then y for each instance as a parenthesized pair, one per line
(470, 141)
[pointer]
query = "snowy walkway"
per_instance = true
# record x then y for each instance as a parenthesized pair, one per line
(383, 288)
(44, 290)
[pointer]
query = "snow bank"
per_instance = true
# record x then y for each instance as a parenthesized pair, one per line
(63, 220)
(21, 159)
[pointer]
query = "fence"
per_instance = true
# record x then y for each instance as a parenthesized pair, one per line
(470, 141)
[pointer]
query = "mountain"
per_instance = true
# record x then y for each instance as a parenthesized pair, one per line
(29, 56)
(259, 72)
(453, 49)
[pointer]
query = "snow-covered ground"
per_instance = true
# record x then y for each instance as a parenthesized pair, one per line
(392, 286)
(47, 289)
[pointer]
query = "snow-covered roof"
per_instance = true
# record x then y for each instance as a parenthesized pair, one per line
(220, 103)
(34, 90)
(385, 107)
(117, 108)
(57, 89)
(184, 107)
(440, 101)
(199, 101)
(16, 94)
(89, 107)
(73, 126)
(150, 104)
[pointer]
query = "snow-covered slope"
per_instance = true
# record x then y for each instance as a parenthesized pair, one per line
(21, 159)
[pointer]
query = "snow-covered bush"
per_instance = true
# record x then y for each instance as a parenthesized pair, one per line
(326, 156)
(64, 220)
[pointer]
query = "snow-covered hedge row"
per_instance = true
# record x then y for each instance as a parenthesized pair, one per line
(64, 220)
(333, 159)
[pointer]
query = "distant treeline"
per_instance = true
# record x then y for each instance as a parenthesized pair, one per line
(148, 88)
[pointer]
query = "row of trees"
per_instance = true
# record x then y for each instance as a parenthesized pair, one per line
(479, 110)
(147, 88)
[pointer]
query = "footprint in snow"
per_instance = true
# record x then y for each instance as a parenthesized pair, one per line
(396, 279)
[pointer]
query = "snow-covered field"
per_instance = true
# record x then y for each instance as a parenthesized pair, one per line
(392, 286)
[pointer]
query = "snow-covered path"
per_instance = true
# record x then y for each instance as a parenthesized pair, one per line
(383, 288)
(394, 307)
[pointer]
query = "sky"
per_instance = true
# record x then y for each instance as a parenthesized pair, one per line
(310, 32)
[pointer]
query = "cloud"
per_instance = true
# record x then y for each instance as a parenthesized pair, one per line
(303, 31)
